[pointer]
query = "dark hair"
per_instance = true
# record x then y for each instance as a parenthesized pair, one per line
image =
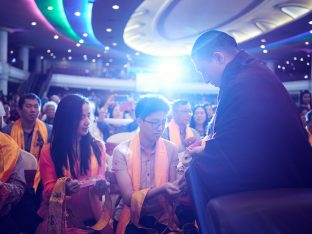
(210, 41)
(301, 96)
(192, 122)
(308, 116)
(64, 133)
(179, 102)
(149, 104)
(28, 96)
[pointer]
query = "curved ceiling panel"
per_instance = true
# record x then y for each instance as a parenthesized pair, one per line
(169, 27)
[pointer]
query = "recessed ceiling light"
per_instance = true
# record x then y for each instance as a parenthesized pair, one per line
(106, 64)
(307, 43)
(81, 41)
(109, 30)
(69, 50)
(115, 7)
(11, 52)
(287, 62)
(54, 57)
(41, 57)
(48, 51)
(283, 68)
(306, 77)
(98, 55)
(77, 13)
(301, 59)
(78, 44)
(295, 58)
(85, 34)
(310, 22)
(106, 48)
(114, 43)
(137, 53)
(70, 58)
(262, 46)
(56, 37)
(33, 23)
(311, 31)
(279, 66)
(308, 64)
(265, 51)
(52, 54)
(263, 40)
(50, 8)
(93, 60)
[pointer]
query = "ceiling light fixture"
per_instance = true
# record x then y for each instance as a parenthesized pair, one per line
(262, 46)
(11, 52)
(265, 51)
(78, 44)
(85, 34)
(77, 13)
(263, 40)
(114, 44)
(98, 55)
(81, 41)
(307, 43)
(56, 37)
(50, 8)
(41, 57)
(70, 58)
(69, 50)
(115, 7)
(109, 30)
(93, 60)
(106, 48)
(48, 51)
(33, 23)
(310, 22)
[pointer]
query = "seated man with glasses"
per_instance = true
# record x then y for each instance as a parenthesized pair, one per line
(145, 169)
(178, 130)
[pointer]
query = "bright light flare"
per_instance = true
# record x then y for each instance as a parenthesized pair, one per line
(169, 71)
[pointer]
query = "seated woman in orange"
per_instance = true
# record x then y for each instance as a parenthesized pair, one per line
(73, 167)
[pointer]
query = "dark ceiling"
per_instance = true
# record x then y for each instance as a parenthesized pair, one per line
(17, 15)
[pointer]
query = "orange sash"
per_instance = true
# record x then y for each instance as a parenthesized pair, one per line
(134, 168)
(39, 137)
(9, 152)
(174, 133)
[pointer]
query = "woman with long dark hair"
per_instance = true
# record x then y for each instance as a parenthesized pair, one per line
(199, 120)
(72, 165)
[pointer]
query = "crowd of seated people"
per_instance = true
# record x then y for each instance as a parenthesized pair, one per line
(67, 137)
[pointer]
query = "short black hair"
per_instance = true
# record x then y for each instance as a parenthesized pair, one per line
(211, 41)
(32, 96)
(149, 104)
(179, 102)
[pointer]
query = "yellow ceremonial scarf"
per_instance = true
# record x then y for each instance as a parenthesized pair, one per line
(9, 152)
(174, 133)
(134, 170)
(57, 205)
(39, 137)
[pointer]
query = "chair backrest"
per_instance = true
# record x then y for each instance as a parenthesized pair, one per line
(120, 137)
(30, 167)
(273, 211)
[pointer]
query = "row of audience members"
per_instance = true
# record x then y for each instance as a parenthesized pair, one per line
(73, 163)
(69, 150)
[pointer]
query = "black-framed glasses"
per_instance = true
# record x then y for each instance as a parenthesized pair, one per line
(156, 124)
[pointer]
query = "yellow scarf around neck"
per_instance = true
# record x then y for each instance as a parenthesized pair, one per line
(39, 137)
(174, 133)
(9, 152)
(134, 169)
